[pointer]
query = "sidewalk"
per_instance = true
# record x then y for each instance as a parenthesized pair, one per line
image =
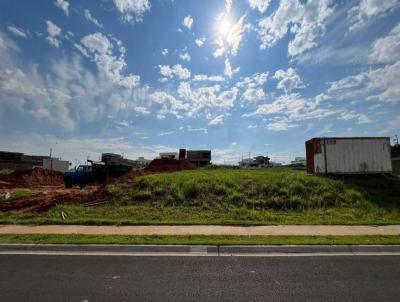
(278, 230)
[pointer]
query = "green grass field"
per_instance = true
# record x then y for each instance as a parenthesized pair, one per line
(237, 197)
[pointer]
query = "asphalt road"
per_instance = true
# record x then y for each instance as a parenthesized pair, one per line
(189, 278)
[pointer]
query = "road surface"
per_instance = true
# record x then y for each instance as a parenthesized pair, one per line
(156, 274)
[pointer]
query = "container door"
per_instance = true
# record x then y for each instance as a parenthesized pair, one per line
(310, 157)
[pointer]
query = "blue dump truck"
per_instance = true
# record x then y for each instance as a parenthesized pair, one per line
(111, 166)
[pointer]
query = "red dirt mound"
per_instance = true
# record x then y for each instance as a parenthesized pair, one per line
(32, 178)
(169, 165)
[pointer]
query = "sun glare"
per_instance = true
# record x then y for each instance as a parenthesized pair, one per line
(224, 27)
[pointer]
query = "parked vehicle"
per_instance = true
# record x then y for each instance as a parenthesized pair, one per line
(96, 172)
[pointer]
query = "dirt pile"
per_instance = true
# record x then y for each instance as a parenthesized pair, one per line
(169, 165)
(32, 178)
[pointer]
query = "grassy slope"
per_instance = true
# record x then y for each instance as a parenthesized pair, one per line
(200, 239)
(237, 196)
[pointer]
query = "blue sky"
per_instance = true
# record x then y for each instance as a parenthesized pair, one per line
(140, 77)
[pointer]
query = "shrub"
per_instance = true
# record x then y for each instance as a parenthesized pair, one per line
(191, 190)
(113, 190)
(143, 182)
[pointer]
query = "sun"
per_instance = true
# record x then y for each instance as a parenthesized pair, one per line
(224, 27)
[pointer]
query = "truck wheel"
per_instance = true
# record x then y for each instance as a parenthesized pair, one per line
(68, 184)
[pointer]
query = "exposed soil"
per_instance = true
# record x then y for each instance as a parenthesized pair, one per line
(169, 165)
(31, 178)
(45, 197)
(47, 187)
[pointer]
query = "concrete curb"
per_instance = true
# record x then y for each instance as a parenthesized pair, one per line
(208, 250)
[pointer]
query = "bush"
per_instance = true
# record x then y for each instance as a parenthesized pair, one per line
(191, 190)
(113, 190)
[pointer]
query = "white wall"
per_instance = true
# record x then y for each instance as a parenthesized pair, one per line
(55, 164)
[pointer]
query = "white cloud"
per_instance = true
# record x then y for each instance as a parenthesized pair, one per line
(62, 95)
(261, 5)
(207, 78)
(252, 86)
(189, 128)
(174, 71)
(142, 110)
(288, 80)
(17, 31)
(132, 10)
(218, 120)
(185, 56)
(294, 107)
(97, 43)
(360, 14)
(352, 115)
(188, 22)
(123, 124)
(92, 19)
(54, 31)
(387, 49)
(170, 105)
(281, 125)
(206, 97)
(306, 22)
(228, 5)
(200, 41)
(63, 5)
(166, 133)
(253, 94)
(164, 52)
(228, 71)
(254, 81)
(100, 50)
(374, 84)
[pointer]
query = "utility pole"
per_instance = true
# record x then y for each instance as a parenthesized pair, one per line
(51, 158)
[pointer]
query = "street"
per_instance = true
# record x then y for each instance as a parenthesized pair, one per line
(80, 277)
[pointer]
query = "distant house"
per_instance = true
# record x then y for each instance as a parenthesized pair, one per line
(170, 155)
(257, 161)
(199, 158)
(299, 161)
(20, 161)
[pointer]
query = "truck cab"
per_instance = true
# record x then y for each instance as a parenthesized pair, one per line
(81, 176)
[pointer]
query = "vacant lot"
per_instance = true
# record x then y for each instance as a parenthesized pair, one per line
(235, 196)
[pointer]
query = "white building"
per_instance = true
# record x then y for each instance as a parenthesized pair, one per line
(299, 161)
(141, 161)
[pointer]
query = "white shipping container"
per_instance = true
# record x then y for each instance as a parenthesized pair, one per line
(348, 155)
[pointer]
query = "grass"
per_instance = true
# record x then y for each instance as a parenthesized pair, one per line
(20, 193)
(235, 197)
(6, 171)
(199, 239)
